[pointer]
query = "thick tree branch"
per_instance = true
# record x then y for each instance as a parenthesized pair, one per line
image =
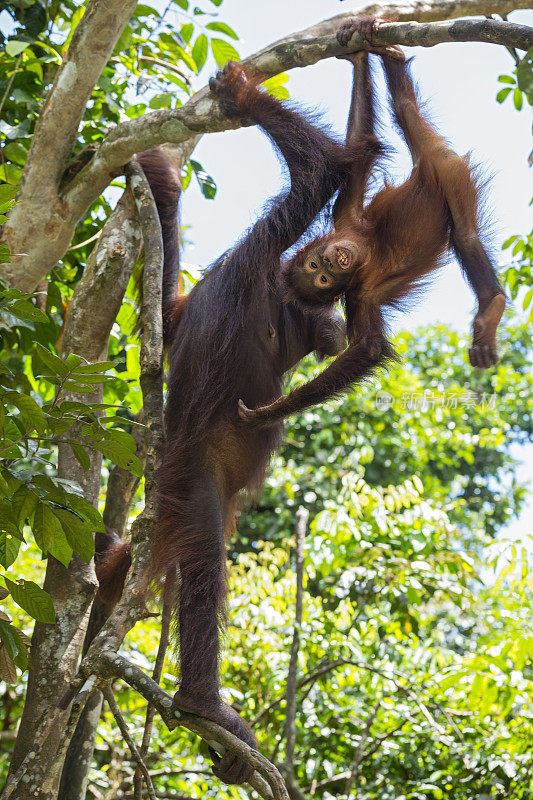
(201, 114)
(89, 51)
(52, 225)
(55, 650)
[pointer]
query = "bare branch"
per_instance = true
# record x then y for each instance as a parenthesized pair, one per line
(302, 516)
(168, 602)
(119, 719)
(359, 750)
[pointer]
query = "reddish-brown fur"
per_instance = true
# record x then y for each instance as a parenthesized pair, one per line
(378, 254)
(234, 337)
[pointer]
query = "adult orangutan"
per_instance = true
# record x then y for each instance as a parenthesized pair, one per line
(234, 336)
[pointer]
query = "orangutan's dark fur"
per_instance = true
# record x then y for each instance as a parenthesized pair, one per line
(233, 337)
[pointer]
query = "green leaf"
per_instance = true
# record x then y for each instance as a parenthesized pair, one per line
(61, 550)
(507, 79)
(79, 388)
(16, 152)
(12, 641)
(9, 549)
(53, 362)
(73, 360)
(205, 181)
(23, 503)
(23, 309)
(30, 412)
(8, 673)
(74, 21)
(187, 31)
(81, 506)
(121, 456)
(199, 51)
(502, 94)
(34, 600)
(143, 10)
(98, 366)
(5, 254)
(16, 47)
(7, 192)
(221, 27)
(46, 527)
(8, 518)
(162, 100)
(80, 454)
(275, 86)
(79, 534)
(527, 299)
(125, 40)
(223, 51)
(518, 99)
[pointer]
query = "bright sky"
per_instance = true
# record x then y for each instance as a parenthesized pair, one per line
(459, 83)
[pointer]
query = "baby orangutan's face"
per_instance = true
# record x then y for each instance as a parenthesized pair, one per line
(324, 271)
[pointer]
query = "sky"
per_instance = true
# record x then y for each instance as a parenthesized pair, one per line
(458, 83)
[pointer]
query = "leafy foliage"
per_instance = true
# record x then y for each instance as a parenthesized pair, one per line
(519, 274)
(35, 419)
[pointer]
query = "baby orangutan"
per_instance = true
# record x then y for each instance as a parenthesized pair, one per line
(376, 256)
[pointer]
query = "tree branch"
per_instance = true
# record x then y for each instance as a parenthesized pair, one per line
(92, 312)
(55, 134)
(123, 728)
(201, 114)
(112, 665)
(166, 619)
(295, 793)
(52, 225)
(359, 750)
(302, 516)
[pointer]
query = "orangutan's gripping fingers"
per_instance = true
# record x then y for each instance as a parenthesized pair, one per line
(231, 86)
(366, 27)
